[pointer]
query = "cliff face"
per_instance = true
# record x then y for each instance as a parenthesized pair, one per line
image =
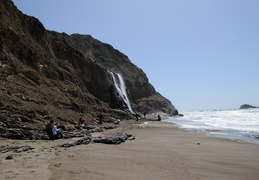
(141, 93)
(46, 75)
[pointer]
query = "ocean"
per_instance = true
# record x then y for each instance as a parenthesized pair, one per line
(235, 124)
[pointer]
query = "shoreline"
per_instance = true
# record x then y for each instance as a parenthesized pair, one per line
(237, 124)
(237, 135)
(161, 150)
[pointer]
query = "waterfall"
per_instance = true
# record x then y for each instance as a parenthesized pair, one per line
(121, 89)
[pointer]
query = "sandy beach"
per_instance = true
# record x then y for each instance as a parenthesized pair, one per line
(160, 151)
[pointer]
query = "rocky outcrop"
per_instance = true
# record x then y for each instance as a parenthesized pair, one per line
(247, 106)
(14, 149)
(113, 139)
(44, 76)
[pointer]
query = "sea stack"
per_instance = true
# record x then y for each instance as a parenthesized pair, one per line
(247, 106)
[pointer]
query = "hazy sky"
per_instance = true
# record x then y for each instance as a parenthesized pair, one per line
(200, 54)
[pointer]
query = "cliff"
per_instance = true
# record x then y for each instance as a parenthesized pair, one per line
(47, 75)
(142, 94)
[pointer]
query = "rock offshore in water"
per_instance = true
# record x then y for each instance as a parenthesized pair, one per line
(247, 106)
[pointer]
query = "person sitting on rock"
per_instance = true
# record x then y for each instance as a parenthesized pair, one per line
(158, 118)
(117, 121)
(83, 124)
(56, 132)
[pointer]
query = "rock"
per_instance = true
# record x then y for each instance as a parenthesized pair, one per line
(247, 106)
(117, 121)
(9, 157)
(130, 137)
(114, 139)
(15, 149)
(86, 140)
(256, 136)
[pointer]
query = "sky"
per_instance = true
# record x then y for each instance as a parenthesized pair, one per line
(199, 54)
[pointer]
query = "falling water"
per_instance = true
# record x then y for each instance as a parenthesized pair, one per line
(121, 89)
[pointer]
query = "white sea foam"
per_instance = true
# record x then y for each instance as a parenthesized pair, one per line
(240, 124)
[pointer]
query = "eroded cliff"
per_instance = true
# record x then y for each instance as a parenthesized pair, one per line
(142, 94)
(46, 75)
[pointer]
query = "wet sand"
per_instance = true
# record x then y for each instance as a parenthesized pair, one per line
(160, 151)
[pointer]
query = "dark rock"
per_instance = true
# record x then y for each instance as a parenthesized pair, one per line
(174, 113)
(256, 136)
(9, 157)
(15, 149)
(247, 106)
(86, 140)
(114, 139)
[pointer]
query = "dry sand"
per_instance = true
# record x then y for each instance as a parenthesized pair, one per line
(160, 151)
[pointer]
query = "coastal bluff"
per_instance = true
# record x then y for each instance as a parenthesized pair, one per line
(49, 75)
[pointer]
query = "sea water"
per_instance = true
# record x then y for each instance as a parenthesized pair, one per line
(235, 124)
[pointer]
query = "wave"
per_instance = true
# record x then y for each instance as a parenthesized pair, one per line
(241, 122)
